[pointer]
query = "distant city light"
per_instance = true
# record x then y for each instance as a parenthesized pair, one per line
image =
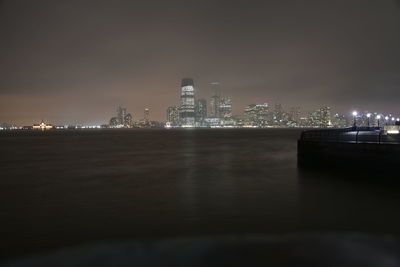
(368, 115)
(355, 113)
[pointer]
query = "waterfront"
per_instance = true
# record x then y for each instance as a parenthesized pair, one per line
(67, 188)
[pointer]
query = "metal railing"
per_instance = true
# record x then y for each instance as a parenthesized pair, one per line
(373, 135)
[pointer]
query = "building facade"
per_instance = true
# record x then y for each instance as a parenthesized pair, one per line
(186, 111)
(173, 115)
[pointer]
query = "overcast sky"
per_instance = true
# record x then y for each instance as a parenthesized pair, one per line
(75, 61)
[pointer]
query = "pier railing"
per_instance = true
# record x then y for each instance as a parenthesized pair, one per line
(356, 135)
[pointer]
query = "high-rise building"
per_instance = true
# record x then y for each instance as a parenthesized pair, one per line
(215, 106)
(187, 117)
(121, 113)
(225, 108)
(200, 110)
(294, 115)
(146, 115)
(325, 117)
(279, 114)
(173, 116)
(257, 115)
(122, 119)
(320, 118)
(339, 121)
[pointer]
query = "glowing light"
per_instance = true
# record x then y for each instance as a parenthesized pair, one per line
(378, 117)
(393, 131)
(368, 115)
(386, 118)
(355, 113)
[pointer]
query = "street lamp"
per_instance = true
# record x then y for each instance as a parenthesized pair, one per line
(354, 118)
(393, 120)
(368, 116)
(378, 118)
(386, 120)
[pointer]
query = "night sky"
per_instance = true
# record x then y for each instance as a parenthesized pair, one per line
(75, 61)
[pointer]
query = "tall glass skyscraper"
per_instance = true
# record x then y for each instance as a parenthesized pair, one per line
(186, 112)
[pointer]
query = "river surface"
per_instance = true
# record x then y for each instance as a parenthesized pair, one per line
(68, 188)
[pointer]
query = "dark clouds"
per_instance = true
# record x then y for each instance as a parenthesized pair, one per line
(75, 61)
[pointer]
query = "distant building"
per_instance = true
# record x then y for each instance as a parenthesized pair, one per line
(122, 119)
(173, 116)
(128, 120)
(187, 116)
(320, 118)
(225, 108)
(325, 113)
(257, 115)
(294, 115)
(146, 115)
(200, 111)
(340, 121)
(42, 126)
(215, 106)
(279, 114)
(121, 113)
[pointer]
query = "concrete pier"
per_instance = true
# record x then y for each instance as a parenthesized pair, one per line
(355, 148)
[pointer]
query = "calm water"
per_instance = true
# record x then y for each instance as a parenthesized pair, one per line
(60, 189)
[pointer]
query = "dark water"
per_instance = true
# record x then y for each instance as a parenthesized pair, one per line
(62, 189)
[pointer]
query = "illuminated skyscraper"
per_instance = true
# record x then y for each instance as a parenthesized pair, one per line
(121, 113)
(173, 115)
(215, 106)
(258, 115)
(146, 114)
(128, 120)
(325, 118)
(294, 115)
(187, 116)
(200, 110)
(225, 108)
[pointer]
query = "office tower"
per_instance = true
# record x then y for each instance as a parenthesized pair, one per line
(325, 117)
(121, 113)
(146, 115)
(215, 106)
(257, 115)
(200, 110)
(225, 108)
(173, 115)
(128, 120)
(294, 114)
(340, 121)
(187, 103)
(279, 113)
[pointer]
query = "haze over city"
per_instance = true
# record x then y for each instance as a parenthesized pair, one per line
(77, 61)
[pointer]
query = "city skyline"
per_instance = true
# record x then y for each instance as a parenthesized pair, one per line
(195, 112)
(60, 66)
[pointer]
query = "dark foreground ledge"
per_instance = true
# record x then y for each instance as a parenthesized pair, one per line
(355, 148)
